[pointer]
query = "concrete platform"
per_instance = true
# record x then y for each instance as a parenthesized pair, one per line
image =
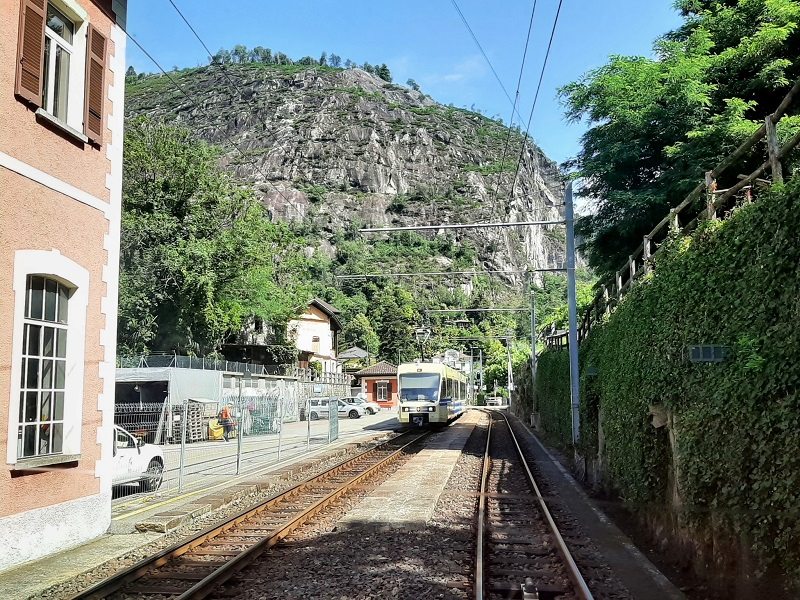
(408, 498)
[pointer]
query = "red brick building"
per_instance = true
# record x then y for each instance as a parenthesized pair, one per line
(379, 383)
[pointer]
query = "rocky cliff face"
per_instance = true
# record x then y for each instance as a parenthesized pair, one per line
(339, 147)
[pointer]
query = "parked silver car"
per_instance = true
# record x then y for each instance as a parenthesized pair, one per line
(371, 407)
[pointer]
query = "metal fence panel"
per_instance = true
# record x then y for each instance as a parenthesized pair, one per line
(200, 448)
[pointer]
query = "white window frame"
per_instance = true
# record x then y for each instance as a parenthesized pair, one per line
(77, 63)
(383, 388)
(42, 323)
(54, 265)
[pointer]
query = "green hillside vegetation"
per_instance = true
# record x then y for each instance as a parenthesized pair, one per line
(200, 256)
(736, 424)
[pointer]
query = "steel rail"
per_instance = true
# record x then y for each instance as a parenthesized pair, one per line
(482, 516)
(573, 572)
(206, 586)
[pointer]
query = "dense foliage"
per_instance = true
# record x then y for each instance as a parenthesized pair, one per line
(656, 125)
(197, 255)
(737, 423)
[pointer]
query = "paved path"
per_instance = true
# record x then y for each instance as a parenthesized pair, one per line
(642, 578)
(408, 498)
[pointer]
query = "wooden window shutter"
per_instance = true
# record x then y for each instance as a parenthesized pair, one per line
(95, 84)
(30, 50)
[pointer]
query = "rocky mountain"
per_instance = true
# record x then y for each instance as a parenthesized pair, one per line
(336, 148)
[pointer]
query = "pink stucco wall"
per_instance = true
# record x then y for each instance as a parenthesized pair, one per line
(35, 217)
(25, 139)
(51, 221)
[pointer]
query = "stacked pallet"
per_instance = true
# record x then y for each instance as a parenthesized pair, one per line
(195, 431)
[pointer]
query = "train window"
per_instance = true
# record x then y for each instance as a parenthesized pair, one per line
(420, 386)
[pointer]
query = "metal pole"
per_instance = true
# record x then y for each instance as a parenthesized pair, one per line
(308, 424)
(239, 428)
(457, 226)
(280, 409)
(184, 417)
(480, 366)
(573, 316)
(510, 380)
(533, 340)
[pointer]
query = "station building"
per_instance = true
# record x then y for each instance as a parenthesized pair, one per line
(62, 78)
(379, 384)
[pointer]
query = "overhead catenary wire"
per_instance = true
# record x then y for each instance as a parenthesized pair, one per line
(458, 226)
(238, 89)
(514, 108)
(483, 53)
(535, 99)
(447, 273)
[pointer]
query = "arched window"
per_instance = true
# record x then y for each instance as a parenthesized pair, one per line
(44, 367)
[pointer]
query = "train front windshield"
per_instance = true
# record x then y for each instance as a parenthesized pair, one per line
(419, 386)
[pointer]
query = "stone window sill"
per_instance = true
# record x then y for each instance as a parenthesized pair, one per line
(59, 124)
(48, 460)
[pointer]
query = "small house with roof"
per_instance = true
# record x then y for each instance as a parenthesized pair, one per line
(379, 383)
(316, 335)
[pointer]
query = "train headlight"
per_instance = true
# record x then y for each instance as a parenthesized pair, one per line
(431, 409)
(405, 409)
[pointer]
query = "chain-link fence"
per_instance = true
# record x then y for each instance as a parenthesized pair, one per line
(180, 443)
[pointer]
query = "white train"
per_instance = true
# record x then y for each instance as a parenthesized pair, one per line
(430, 393)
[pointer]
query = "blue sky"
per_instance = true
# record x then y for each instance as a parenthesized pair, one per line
(424, 40)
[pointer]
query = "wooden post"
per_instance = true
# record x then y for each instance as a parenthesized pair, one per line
(646, 254)
(674, 222)
(606, 300)
(619, 285)
(632, 267)
(711, 186)
(774, 150)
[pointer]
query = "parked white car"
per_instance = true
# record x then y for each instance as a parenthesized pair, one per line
(371, 407)
(318, 408)
(136, 462)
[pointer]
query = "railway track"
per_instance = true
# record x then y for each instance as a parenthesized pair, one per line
(194, 567)
(520, 553)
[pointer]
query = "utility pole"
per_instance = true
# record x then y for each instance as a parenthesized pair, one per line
(510, 382)
(480, 368)
(533, 344)
(573, 316)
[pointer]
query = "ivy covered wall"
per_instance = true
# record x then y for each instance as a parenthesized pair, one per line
(733, 462)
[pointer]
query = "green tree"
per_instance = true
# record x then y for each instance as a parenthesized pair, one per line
(240, 54)
(394, 313)
(358, 331)
(197, 254)
(383, 72)
(131, 72)
(335, 60)
(222, 57)
(413, 85)
(656, 125)
(323, 59)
